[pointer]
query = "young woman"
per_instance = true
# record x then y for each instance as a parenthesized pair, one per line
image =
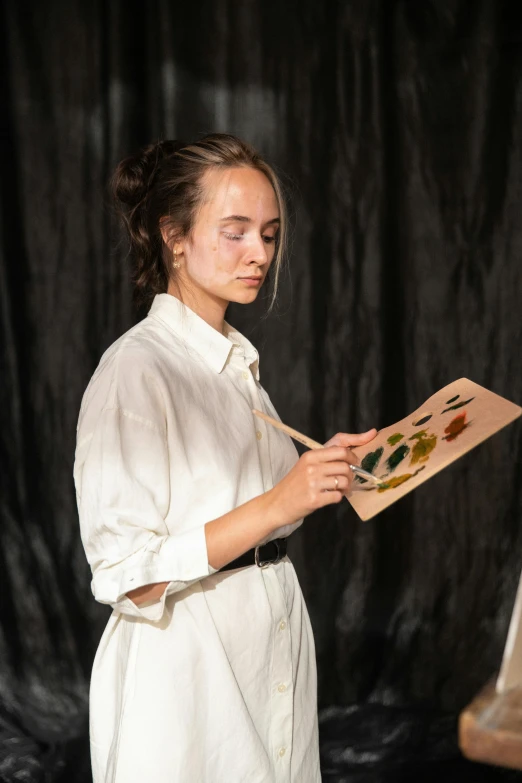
(206, 670)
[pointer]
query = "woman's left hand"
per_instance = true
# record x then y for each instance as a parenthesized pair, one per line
(347, 440)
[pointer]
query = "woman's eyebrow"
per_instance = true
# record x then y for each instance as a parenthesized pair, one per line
(245, 219)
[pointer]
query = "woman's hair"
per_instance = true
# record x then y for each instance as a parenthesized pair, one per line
(166, 179)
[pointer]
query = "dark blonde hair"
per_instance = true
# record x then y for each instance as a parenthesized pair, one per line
(167, 179)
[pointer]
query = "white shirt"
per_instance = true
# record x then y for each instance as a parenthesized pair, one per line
(216, 681)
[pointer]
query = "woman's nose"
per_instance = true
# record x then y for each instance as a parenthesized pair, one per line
(260, 249)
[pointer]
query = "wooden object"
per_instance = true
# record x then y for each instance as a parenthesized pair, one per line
(449, 424)
(306, 441)
(490, 728)
(511, 670)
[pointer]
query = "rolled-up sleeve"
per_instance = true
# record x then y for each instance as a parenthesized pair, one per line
(122, 478)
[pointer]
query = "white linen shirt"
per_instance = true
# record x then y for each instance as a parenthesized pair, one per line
(216, 681)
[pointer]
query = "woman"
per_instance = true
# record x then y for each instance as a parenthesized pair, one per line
(206, 670)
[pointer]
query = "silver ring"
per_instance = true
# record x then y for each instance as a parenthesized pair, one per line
(336, 482)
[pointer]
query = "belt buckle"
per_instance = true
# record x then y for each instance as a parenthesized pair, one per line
(266, 563)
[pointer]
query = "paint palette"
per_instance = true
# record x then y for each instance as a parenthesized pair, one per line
(453, 421)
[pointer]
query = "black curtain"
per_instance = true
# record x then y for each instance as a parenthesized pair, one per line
(397, 127)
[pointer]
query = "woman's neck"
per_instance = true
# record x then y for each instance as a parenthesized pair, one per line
(210, 308)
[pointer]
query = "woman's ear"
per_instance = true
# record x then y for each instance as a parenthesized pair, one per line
(168, 232)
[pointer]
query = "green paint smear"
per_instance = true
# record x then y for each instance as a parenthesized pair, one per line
(370, 462)
(397, 456)
(424, 446)
(393, 439)
(458, 405)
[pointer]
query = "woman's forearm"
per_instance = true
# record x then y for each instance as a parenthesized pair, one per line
(234, 533)
(147, 592)
(228, 537)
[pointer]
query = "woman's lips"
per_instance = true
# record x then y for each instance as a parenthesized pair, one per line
(251, 280)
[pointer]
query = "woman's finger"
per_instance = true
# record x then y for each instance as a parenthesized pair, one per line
(346, 439)
(342, 484)
(339, 468)
(334, 454)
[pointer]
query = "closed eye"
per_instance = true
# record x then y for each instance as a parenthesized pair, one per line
(236, 237)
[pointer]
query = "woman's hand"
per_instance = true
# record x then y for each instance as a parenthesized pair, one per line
(345, 439)
(311, 483)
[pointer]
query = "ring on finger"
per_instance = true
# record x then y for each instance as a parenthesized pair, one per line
(336, 482)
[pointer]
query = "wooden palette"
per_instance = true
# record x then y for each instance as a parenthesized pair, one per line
(452, 422)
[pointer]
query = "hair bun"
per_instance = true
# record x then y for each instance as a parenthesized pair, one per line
(134, 175)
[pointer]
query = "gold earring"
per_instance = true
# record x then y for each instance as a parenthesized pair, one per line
(176, 264)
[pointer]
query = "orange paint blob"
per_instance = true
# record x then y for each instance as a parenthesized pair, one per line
(456, 427)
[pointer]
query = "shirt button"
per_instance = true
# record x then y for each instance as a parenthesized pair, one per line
(259, 435)
(282, 751)
(282, 625)
(281, 688)
(245, 375)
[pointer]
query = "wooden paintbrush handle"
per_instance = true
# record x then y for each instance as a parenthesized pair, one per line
(311, 444)
(304, 439)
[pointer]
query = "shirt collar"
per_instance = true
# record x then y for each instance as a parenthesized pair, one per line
(212, 346)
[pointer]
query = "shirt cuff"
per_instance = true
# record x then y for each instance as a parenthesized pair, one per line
(148, 610)
(180, 560)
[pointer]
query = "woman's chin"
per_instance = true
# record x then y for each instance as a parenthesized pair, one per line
(244, 297)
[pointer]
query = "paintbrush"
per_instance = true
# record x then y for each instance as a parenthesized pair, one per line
(312, 444)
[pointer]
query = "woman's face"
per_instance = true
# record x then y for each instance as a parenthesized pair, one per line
(233, 241)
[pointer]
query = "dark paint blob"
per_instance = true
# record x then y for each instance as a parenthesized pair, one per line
(452, 399)
(423, 420)
(397, 456)
(370, 462)
(458, 405)
(395, 438)
(456, 427)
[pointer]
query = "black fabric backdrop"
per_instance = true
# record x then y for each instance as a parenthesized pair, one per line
(397, 126)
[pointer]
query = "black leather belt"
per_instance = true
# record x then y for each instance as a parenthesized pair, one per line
(262, 556)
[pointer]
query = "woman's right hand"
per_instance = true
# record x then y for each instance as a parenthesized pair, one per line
(311, 484)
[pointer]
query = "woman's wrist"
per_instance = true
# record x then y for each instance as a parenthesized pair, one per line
(275, 515)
